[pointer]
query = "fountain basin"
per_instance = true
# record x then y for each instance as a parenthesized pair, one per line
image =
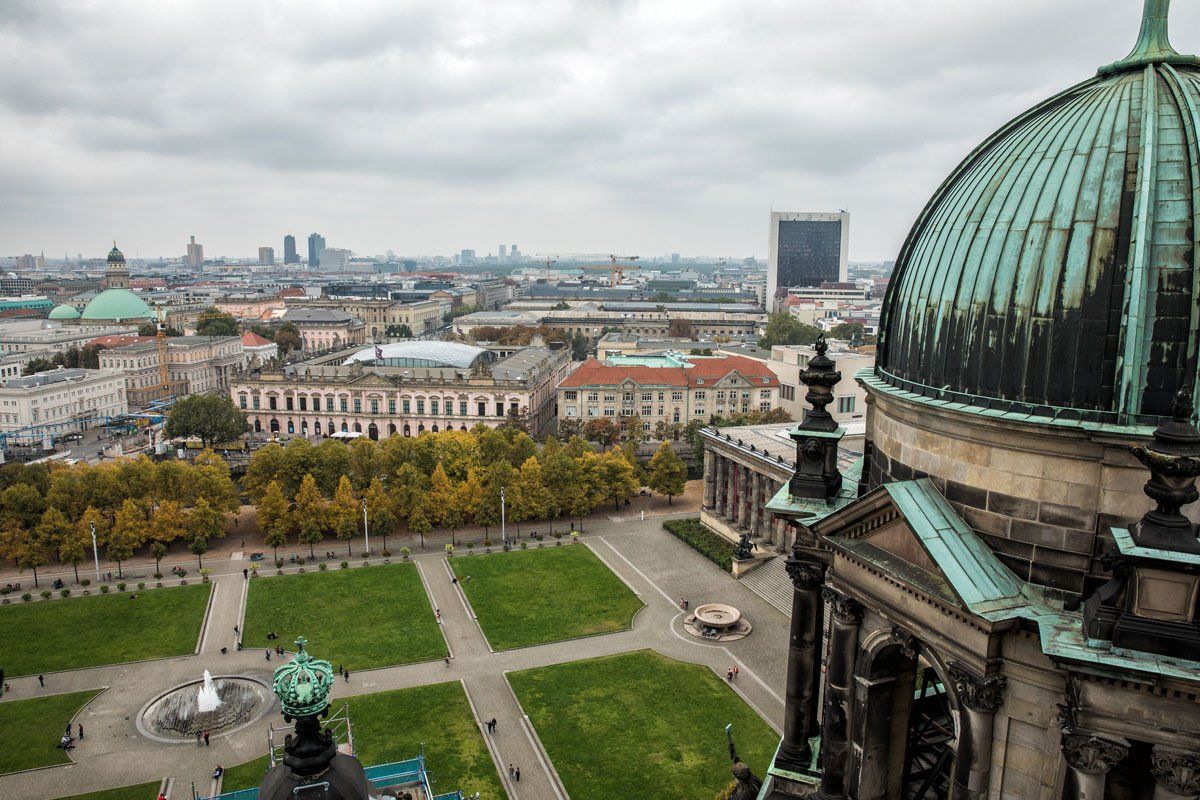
(717, 615)
(175, 716)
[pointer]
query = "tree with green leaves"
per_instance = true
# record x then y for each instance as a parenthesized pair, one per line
(560, 474)
(530, 497)
(603, 431)
(408, 489)
(211, 418)
(783, 329)
(418, 521)
(668, 473)
(21, 505)
(168, 523)
(847, 331)
(343, 513)
(35, 552)
(211, 480)
(617, 475)
(126, 533)
(499, 475)
(58, 531)
(214, 322)
(93, 518)
(274, 518)
(205, 522)
(311, 514)
(380, 515)
(266, 464)
(580, 349)
(440, 497)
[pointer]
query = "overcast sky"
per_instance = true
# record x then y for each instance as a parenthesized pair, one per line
(428, 127)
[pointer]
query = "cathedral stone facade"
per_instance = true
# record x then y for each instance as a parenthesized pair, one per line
(1006, 603)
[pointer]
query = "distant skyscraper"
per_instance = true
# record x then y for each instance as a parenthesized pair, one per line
(195, 253)
(503, 251)
(514, 252)
(806, 249)
(316, 246)
(334, 259)
(266, 256)
(467, 257)
(290, 256)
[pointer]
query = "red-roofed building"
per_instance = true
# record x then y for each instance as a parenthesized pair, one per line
(258, 349)
(670, 394)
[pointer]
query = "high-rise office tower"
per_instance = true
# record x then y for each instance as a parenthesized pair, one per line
(266, 256)
(513, 251)
(316, 246)
(290, 256)
(503, 251)
(806, 249)
(335, 259)
(195, 253)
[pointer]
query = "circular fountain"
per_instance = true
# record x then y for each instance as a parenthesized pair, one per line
(218, 705)
(717, 622)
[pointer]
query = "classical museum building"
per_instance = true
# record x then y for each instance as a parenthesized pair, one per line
(1001, 599)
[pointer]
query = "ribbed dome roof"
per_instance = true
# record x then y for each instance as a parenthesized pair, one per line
(64, 311)
(1054, 271)
(420, 354)
(118, 305)
(115, 256)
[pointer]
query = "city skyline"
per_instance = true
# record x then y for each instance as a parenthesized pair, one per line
(596, 129)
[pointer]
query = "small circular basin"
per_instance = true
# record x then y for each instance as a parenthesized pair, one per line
(717, 615)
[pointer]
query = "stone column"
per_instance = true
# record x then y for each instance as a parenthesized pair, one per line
(710, 479)
(978, 697)
(1090, 758)
(756, 504)
(839, 677)
(730, 490)
(719, 486)
(1176, 774)
(767, 522)
(795, 754)
(743, 515)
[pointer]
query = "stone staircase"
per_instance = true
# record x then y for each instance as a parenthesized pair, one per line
(771, 583)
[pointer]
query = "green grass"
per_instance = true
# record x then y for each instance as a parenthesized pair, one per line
(361, 618)
(526, 597)
(391, 726)
(143, 791)
(37, 725)
(692, 532)
(48, 636)
(640, 725)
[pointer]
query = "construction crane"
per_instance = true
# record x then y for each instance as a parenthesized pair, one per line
(615, 270)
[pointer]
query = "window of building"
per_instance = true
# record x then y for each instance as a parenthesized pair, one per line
(481, 408)
(272, 403)
(392, 406)
(610, 412)
(593, 397)
(499, 408)
(845, 405)
(647, 397)
(462, 408)
(254, 402)
(786, 392)
(647, 411)
(570, 395)
(433, 407)
(699, 396)
(303, 403)
(721, 395)
(610, 398)
(287, 401)
(421, 406)
(374, 406)
(406, 406)
(242, 400)
(764, 406)
(699, 411)
(357, 405)
(592, 411)
(676, 396)
(328, 404)
(342, 404)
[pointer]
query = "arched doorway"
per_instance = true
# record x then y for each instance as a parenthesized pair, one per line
(304, 427)
(358, 427)
(373, 431)
(391, 429)
(291, 426)
(345, 429)
(317, 428)
(420, 428)
(274, 426)
(434, 427)
(407, 430)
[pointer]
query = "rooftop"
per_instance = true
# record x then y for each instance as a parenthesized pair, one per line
(702, 372)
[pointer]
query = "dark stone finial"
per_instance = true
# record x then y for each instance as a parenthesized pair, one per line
(820, 377)
(1173, 458)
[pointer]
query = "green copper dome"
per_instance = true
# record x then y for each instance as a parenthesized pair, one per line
(64, 312)
(1054, 272)
(115, 256)
(303, 684)
(117, 305)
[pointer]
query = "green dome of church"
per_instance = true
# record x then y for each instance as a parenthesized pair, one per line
(1054, 272)
(64, 312)
(117, 305)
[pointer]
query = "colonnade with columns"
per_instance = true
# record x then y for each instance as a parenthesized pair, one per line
(738, 494)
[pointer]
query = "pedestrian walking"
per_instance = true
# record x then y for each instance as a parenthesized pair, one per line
(643, 515)
(206, 738)
(437, 615)
(736, 670)
(41, 680)
(245, 574)
(236, 632)
(510, 771)
(447, 659)
(197, 738)
(517, 775)
(268, 652)
(686, 604)
(729, 676)
(80, 729)
(346, 675)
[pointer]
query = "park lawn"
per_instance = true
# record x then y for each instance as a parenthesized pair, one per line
(143, 791)
(359, 618)
(392, 726)
(641, 725)
(33, 727)
(54, 635)
(527, 597)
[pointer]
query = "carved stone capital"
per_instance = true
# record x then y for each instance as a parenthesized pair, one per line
(1091, 754)
(907, 642)
(806, 575)
(976, 692)
(846, 610)
(1177, 771)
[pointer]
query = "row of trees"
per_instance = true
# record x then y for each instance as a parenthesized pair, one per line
(87, 357)
(784, 329)
(51, 511)
(448, 480)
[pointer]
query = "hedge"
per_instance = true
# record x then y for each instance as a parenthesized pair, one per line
(708, 544)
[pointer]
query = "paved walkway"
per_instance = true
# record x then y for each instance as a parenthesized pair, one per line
(659, 568)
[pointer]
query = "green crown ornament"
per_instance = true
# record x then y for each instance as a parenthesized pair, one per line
(302, 685)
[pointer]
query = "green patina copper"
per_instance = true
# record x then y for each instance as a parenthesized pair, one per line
(1055, 268)
(303, 684)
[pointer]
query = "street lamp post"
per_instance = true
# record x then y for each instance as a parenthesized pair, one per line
(503, 534)
(366, 529)
(95, 551)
